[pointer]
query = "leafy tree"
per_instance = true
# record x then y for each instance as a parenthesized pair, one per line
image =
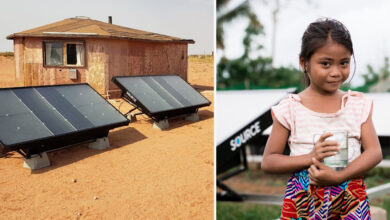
(372, 77)
(242, 10)
(246, 72)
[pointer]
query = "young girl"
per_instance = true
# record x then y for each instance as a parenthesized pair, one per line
(316, 191)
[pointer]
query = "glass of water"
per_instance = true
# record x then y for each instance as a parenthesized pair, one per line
(340, 160)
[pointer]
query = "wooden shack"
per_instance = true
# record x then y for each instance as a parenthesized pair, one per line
(78, 50)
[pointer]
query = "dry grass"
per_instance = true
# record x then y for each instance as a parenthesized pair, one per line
(7, 54)
(201, 58)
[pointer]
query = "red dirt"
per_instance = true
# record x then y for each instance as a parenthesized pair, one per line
(146, 174)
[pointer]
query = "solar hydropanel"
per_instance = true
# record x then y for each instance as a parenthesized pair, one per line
(36, 119)
(161, 96)
(232, 126)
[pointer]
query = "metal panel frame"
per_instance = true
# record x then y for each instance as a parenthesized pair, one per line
(228, 159)
(159, 115)
(36, 146)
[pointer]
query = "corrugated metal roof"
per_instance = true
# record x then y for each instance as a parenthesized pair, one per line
(85, 27)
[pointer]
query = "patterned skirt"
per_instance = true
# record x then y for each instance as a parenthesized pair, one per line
(347, 200)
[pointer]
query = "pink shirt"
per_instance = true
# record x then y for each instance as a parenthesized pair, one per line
(304, 123)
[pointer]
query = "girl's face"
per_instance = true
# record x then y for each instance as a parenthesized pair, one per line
(328, 67)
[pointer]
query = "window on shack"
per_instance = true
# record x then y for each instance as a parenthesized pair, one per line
(59, 53)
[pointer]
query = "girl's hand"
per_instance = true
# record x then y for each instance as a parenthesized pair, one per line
(322, 175)
(324, 148)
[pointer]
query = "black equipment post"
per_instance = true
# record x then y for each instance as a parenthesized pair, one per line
(231, 153)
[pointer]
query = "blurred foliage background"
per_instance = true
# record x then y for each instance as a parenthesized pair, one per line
(249, 72)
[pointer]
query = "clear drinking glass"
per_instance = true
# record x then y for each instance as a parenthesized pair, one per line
(340, 160)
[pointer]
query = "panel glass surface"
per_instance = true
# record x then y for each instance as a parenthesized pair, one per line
(79, 94)
(21, 127)
(70, 112)
(144, 93)
(10, 103)
(100, 114)
(162, 93)
(18, 123)
(47, 113)
(91, 105)
(29, 114)
(185, 90)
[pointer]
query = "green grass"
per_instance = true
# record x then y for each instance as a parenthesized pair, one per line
(377, 176)
(247, 211)
(375, 181)
(281, 183)
(386, 206)
(251, 176)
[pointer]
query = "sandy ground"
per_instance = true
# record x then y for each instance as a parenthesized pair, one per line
(255, 181)
(145, 174)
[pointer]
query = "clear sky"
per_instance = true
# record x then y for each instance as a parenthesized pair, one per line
(367, 21)
(188, 19)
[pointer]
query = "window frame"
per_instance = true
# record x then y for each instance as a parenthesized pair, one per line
(64, 42)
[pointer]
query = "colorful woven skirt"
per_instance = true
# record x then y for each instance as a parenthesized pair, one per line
(347, 200)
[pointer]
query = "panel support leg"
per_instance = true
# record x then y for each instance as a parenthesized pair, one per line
(228, 194)
(161, 125)
(100, 144)
(37, 161)
(192, 117)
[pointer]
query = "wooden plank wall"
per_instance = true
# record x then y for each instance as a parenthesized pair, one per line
(18, 56)
(144, 58)
(97, 64)
(105, 58)
(36, 74)
(32, 65)
(117, 63)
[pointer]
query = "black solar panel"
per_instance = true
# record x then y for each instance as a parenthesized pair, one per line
(161, 96)
(36, 119)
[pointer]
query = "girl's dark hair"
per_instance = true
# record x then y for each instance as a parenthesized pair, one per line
(316, 36)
